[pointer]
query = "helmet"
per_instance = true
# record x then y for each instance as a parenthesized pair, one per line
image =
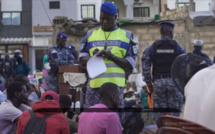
(17, 51)
(198, 42)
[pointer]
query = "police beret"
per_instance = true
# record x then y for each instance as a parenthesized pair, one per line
(70, 46)
(61, 35)
(167, 23)
(109, 8)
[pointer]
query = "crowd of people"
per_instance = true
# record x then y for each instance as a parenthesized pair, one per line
(25, 109)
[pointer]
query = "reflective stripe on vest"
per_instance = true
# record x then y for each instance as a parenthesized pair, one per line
(118, 43)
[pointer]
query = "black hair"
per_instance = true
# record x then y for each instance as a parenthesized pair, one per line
(108, 89)
(13, 88)
(65, 102)
(20, 78)
(8, 81)
(165, 30)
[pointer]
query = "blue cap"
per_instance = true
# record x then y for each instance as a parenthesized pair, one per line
(61, 35)
(70, 46)
(109, 8)
(167, 23)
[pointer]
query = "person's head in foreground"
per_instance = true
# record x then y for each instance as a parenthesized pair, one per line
(110, 96)
(50, 95)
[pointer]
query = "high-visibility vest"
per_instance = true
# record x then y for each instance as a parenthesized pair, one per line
(117, 42)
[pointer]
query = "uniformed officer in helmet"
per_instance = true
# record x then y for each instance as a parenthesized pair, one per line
(198, 44)
(160, 56)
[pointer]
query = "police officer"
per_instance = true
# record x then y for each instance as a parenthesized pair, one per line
(198, 43)
(160, 55)
(115, 46)
(7, 67)
(58, 55)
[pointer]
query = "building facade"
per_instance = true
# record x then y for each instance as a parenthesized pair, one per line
(16, 27)
(198, 5)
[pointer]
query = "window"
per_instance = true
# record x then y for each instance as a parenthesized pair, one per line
(87, 11)
(141, 12)
(11, 18)
(180, 4)
(54, 5)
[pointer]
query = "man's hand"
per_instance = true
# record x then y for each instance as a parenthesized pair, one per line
(96, 51)
(105, 54)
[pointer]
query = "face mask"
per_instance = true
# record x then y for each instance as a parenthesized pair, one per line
(198, 49)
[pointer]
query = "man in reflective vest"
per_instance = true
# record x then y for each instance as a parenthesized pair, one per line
(115, 45)
(160, 55)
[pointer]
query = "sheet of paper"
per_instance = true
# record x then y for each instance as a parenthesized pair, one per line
(96, 66)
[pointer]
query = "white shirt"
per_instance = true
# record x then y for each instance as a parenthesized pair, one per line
(200, 98)
(8, 114)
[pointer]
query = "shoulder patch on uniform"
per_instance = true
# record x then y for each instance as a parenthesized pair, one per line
(134, 49)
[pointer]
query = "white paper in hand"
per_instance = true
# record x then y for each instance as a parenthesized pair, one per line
(96, 66)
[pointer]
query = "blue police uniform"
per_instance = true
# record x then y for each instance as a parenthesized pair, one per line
(165, 93)
(57, 56)
(205, 56)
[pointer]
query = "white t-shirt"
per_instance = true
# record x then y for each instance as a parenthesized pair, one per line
(199, 93)
(8, 114)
